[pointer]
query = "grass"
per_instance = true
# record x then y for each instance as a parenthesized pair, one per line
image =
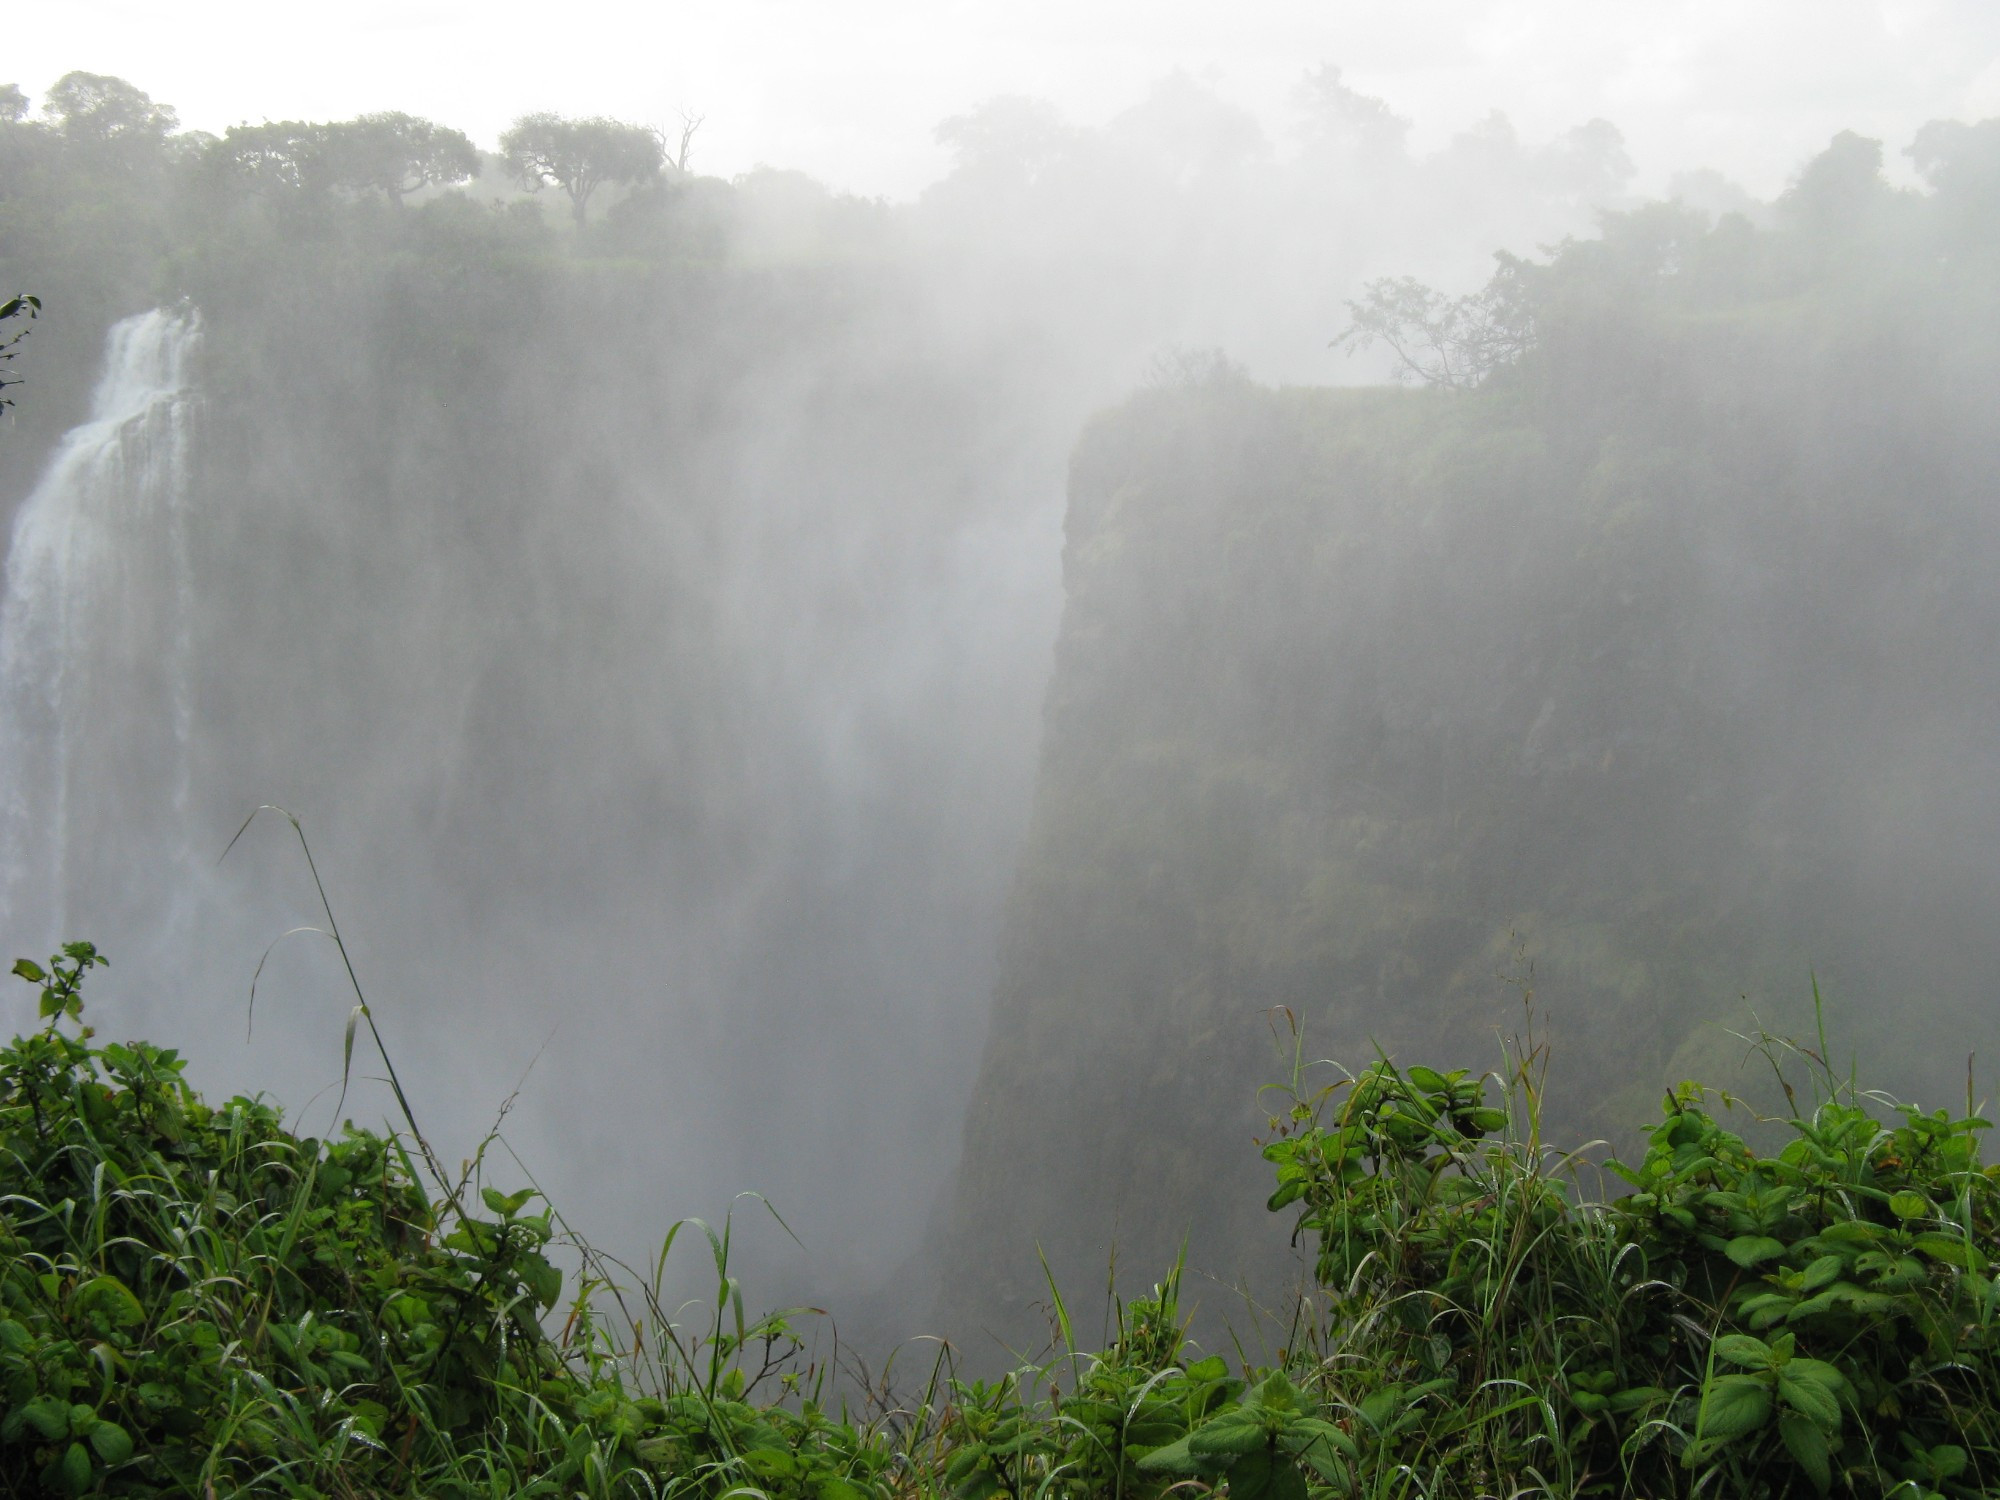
(195, 1301)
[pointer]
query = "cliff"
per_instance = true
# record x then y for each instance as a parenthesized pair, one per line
(1650, 680)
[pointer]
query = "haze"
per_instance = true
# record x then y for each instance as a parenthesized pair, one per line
(863, 663)
(849, 92)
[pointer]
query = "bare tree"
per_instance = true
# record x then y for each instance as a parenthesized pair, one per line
(1454, 342)
(23, 306)
(690, 123)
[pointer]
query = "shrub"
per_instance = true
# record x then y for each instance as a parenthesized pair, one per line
(1738, 1323)
(195, 1301)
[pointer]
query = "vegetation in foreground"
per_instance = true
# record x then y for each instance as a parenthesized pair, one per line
(195, 1301)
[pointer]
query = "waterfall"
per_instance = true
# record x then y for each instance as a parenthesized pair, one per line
(96, 647)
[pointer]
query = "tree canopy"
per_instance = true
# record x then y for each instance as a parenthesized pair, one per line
(394, 154)
(91, 107)
(579, 156)
(286, 156)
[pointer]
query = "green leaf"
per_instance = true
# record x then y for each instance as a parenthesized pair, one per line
(29, 970)
(1822, 1272)
(1947, 1461)
(962, 1465)
(1809, 1397)
(1638, 1398)
(1821, 1373)
(1261, 1477)
(73, 1474)
(771, 1463)
(543, 1279)
(1765, 1309)
(1733, 1405)
(1227, 1436)
(1908, 1205)
(1843, 1294)
(110, 1296)
(347, 1047)
(1951, 1250)
(1751, 1249)
(1175, 1458)
(112, 1442)
(1742, 1349)
(1276, 1393)
(1309, 1433)
(369, 1417)
(48, 1416)
(1808, 1447)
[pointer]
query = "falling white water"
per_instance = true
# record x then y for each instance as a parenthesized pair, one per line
(96, 632)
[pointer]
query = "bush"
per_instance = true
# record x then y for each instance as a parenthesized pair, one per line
(195, 1301)
(1739, 1323)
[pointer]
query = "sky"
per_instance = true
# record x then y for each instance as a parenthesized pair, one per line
(852, 90)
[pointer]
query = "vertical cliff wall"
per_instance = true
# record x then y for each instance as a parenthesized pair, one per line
(1653, 678)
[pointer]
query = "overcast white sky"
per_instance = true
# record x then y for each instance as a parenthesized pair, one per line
(849, 90)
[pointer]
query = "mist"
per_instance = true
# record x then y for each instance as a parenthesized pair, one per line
(653, 625)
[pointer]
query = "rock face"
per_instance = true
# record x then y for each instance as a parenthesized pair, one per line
(1652, 688)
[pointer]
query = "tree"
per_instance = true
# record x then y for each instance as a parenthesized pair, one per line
(93, 109)
(392, 154)
(1351, 123)
(395, 154)
(1007, 140)
(23, 306)
(1962, 165)
(1589, 163)
(579, 156)
(109, 128)
(283, 156)
(13, 103)
(690, 124)
(1838, 190)
(1453, 342)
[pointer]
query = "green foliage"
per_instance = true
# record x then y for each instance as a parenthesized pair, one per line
(579, 156)
(194, 1300)
(1363, 693)
(24, 306)
(393, 154)
(1123, 1428)
(1819, 1318)
(1453, 342)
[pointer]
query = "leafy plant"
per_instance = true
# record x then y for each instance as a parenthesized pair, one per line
(194, 1300)
(1816, 1319)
